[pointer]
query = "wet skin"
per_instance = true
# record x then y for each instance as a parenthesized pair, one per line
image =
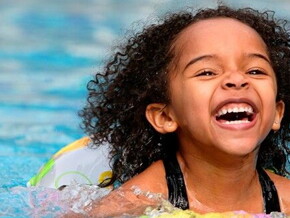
(220, 65)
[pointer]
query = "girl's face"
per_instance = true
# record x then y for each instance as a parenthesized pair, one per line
(223, 88)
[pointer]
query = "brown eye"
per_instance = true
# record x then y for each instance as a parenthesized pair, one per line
(206, 73)
(256, 72)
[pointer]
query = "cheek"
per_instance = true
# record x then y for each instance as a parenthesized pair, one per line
(268, 98)
(268, 92)
(190, 103)
(269, 110)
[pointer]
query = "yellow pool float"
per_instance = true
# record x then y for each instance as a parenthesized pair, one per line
(76, 162)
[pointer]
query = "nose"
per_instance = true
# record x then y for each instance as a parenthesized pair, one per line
(235, 80)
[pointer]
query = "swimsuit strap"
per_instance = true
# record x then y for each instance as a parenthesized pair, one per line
(177, 191)
(175, 182)
(270, 195)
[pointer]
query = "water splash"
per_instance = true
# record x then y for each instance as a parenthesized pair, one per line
(30, 202)
(79, 199)
(46, 202)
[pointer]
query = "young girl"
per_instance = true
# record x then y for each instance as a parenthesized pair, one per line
(193, 108)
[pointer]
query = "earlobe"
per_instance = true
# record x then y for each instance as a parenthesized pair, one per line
(280, 107)
(159, 117)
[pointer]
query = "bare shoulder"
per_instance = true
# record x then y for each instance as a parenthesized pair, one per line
(283, 187)
(152, 179)
(126, 200)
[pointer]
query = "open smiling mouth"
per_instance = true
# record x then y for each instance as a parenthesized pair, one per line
(235, 115)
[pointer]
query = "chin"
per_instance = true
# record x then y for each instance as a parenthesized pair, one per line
(240, 148)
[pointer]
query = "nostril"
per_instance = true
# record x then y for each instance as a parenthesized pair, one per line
(230, 85)
(244, 84)
(233, 85)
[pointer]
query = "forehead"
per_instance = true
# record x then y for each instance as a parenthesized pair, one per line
(217, 34)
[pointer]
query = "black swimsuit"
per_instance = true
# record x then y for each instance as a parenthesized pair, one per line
(177, 191)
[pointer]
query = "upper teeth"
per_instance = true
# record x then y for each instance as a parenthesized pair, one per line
(235, 110)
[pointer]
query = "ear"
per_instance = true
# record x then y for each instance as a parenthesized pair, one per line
(160, 118)
(280, 107)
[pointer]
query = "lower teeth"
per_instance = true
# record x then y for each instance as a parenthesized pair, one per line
(237, 121)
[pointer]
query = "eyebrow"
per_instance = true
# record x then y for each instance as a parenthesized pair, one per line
(258, 55)
(199, 58)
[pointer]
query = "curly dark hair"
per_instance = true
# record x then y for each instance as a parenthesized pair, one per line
(136, 76)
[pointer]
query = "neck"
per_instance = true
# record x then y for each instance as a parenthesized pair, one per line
(227, 183)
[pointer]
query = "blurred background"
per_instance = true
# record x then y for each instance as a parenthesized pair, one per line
(49, 50)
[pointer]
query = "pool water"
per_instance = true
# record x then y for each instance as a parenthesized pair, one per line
(48, 52)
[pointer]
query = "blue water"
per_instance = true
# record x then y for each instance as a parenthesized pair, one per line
(48, 52)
